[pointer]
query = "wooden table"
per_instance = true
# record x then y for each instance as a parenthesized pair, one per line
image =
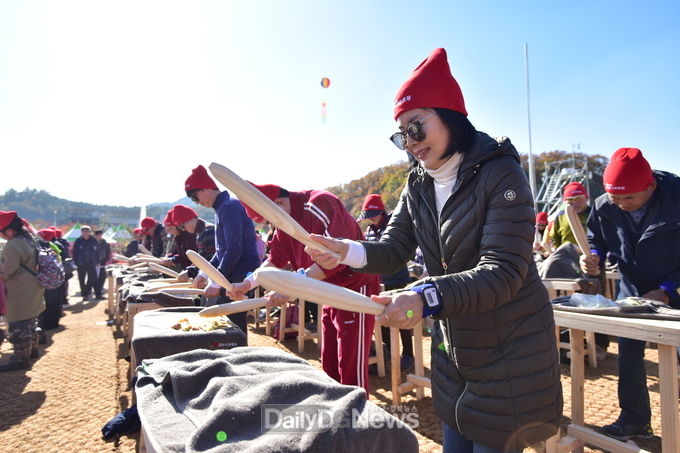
(666, 334)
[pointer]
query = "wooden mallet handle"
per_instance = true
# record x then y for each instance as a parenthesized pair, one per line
(208, 268)
(162, 269)
(298, 286)
(182, 291)
(259, 202)
(145, 250)
(577, 228)
(233, 307)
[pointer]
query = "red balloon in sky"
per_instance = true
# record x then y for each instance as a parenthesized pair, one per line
(325, 82)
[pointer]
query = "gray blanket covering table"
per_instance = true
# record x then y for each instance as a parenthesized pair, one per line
(154, 337)
(226, 401)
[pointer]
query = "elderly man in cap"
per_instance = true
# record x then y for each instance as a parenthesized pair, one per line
(636, 224)
(373, 210)
(103, 257)
(85, 254)
(346, 335)
(155, 237)
(235, 251)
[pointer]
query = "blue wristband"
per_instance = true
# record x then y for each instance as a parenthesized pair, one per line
(670, 288)
(432, 303)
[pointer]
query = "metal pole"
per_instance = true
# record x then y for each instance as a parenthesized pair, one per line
(532, 172)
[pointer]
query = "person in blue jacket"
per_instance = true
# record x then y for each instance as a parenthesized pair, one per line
(636, 224)
(235, 249)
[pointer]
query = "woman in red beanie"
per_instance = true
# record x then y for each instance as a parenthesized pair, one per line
(467, 204)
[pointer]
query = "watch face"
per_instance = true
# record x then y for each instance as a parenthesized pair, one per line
(431, 297)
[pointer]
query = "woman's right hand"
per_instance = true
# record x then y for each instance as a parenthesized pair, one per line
(199, 282)
(238, 290)
(326, 260)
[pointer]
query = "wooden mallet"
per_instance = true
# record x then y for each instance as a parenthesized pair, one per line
(162, 269)
(208, 268)
(577, 228)
(260, 203)
(182, 291)
(145, 250)
(579, 233)
(298, 286)
(119, 257)
(234, 307)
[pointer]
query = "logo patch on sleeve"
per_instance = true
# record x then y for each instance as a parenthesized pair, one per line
(510, 195)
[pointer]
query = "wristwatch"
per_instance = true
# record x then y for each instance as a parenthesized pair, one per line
(432, 302)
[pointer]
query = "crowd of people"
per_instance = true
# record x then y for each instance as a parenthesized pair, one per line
(467, 209)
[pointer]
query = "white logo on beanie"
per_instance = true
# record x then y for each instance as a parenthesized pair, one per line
(402, 100)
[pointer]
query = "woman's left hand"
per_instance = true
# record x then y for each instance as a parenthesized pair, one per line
(398, 307)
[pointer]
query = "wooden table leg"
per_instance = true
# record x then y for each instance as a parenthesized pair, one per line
(395, 363)
(418, 355)
(301, 325)
(668, 393)
(577, 377)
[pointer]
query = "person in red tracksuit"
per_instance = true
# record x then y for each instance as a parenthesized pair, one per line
(346, 335)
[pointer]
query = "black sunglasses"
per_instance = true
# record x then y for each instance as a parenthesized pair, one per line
(414, 129)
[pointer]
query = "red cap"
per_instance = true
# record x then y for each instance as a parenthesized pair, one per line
(6, 218)
(199, 179)
(574, 189)
(138, 231)
(182, 214)
(542, 218)
(627, 172)
(373, 206)
(430, 85)
(148, 223)
(272, 191)
(47, 234)
(168, 220)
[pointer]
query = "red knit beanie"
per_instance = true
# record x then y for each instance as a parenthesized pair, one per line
(272, 191)
(430, 85)
(6, 218)
(542, 218)
(168, 220)
(373, 206)
(138, 231)
(148, 223)
(199, 179)
(182, 214)
(627, 172)
(47, 234)
(574, 189)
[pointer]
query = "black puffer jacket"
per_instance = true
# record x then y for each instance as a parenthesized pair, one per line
(496, 377)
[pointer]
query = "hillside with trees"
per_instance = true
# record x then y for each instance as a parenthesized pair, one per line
(43, 209)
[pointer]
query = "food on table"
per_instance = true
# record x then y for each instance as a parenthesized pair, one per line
(198, 323)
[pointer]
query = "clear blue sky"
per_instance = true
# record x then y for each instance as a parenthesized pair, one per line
(115, 102)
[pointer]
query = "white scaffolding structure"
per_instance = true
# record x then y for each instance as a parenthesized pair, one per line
(555, 176)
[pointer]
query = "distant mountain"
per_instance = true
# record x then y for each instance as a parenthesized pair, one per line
(43, 209)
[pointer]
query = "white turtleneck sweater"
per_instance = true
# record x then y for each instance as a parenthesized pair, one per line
(444, 177)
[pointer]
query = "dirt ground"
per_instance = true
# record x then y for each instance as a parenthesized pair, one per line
(81, 381)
